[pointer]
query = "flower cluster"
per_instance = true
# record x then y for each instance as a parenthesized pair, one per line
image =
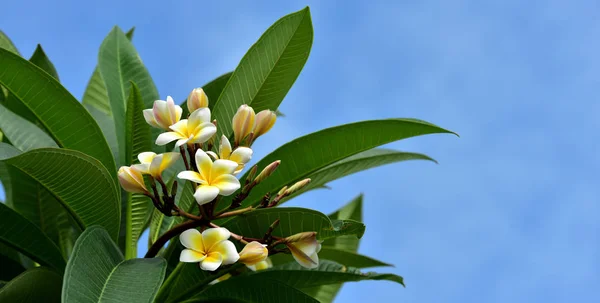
(213, 174)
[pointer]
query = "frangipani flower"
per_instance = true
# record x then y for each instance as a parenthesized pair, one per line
(262, 265)
(195, 129)
(153, 164)
(197, 99)
(211, 248)
(131, 180)
(305, 250)
(214, 178)
(253, 253)
(265, 120)
(243, 123)
(163, 114)
(241, 155)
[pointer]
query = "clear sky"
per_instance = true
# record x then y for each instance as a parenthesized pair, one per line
(511, 213)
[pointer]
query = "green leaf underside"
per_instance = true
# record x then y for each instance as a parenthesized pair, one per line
(97, 272)
(40, 59)
(78, 181)
(212, 90)
(292, 220)
(34, 285)
(22, 235)
(23, 134)
(306, 155)
(359, 162)
(268, 70)
(51, 103)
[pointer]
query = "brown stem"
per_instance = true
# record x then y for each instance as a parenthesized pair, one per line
(192, 153)
(185, 161)
(186, 214)
(171, 233)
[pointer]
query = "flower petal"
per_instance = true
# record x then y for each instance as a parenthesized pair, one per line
(212, 155)
(307, 246)
(205, 194)
(227, 184)
(221, 167)
(241, 155)
(149, 116)
(227, 250)
(302, 258)
(142, 168)
(181, 127)
(181, 142)
(167, 160)
(192, 176)
(167, 137)
(203, 164)
(224, 148)
(146, 157)
(212, 262)
(212, 236)
(192, 239)
(191, 256)
(199, 116)
(204, 132)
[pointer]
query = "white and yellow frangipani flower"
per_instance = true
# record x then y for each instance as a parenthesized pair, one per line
(211, 248)
(254, 252)
(243, 123)
(163, 114)
(262, 265)
(197, 99)
(265, 120)
(305, 251)
(213, 178)
(241, 155)
(154, 165)
(195, 129)
(131, 180)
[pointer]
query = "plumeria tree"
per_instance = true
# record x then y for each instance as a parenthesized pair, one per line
(83, 180)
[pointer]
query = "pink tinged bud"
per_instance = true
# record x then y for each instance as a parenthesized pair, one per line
(267, 171)
(197, 99)
(131, 180)
(297, 186)
(163, 114)
(264, 122)
(304, 249)
(243, 123)
(253, 253)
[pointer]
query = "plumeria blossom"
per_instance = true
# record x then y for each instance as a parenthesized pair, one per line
(265, 120)
(305, 251)
(195, 129)
(211, 248)
(197, 99)
(213, 178)
(262, 265)
(254, 252)
(241, 155)
(243, 123)
(153, 164)
(163, 114)
(131, 180)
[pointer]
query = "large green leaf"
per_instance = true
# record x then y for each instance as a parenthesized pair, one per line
(249, 290)
(136, 206)
(7, 44)
(69, 124)
(40, 59)
(268, 70)
(349, 258)
(359, 162)
(35, 285)
(9, 262)
(20, 234)
(185, 276)
(212, 90)
(78, 181)
(23, 134)
(306, 155)
(119, 63)
(97, 272)
(292, 220)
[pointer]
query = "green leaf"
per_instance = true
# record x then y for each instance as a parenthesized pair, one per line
(249, 290)
(23, 134)
(184, 277)
(306, 155)
(34, 285)
(328, 272)
(212, 90)
(137, 206)
(7, 44)
(40, 59)
(119, 63)
(359, 162)
(268, 70)
(78, 181)
(97, 272)
(20, 234)
(293, 220)
(10, 263)
(69, 124)
(349, 258)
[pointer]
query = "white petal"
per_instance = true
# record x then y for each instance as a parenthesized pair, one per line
(199, 116)
(149, 116)
(192, 239)
(225, 147)
(191, 175)
(228, 252)
(205, 194)
(165, 138)
(241, 155)
(221, 167)
(180, 127)
(203, 164)
(212, 262)
(204, 132)
(146, 157)
(212, 155)
(191, 256)
(212, 236)
(181, 142)
(227, 184)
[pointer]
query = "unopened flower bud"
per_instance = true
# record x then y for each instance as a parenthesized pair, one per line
(243, 123)
(264, 122)
(282, 190)
(253, 253)
(131, 180)
(267, 171)
(197, 99)
(251, 174)
(297, 186)
(307, 235)
(304, 249)
(163, 114)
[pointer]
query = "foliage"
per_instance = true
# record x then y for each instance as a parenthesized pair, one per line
(70, 233)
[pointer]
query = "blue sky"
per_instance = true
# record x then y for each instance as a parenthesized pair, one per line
(511, 213)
